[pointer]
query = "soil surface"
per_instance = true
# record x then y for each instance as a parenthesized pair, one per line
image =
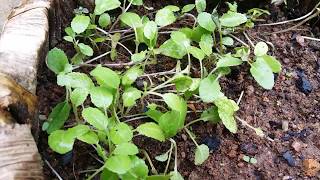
(289, 114)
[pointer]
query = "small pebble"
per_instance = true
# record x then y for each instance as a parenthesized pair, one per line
(289, 158)
(285, 125)
(286, 60)
(303, 83)
(250, 90)
(297, 146)
(212, 142)
(183, 155)
(311, 167)
(184, 137)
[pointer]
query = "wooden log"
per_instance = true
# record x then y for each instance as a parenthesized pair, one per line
(23, 43)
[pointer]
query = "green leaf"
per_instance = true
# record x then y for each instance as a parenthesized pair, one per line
(175, 175)
(108, 175)
(232, 19)
(202, 154)
(101, 97)
(209, 89)
(58, 116)
(78, 96)
(182, 82)
(172, 49)
(126, 149)
(68, 38)
(180, 38)
(200, 5)
(165, 17)
(260, 49)
(137, 2)
(150, 30)
(102, 6)
(70, 32)
(198, 32)
(131, 19)
(131, 75)
(195, 84)
(85, 49)
(80, 23)
(242, 52)
(75, 80)
(104, 20)
(172, 8)
(211, 115)
(130, 96)
(228, 60)
(196, 52)
(187, 8)
(170, 123)
(205, 21)
(158, 177)
(227, 41)
(106, 77)
(175, 102)
(139, 170)
(206, 44)
(60, 142)
(226, 109)
(121, 133)
(232, 7)
(162, 157)
(262, 73)
(273, 63)
(57, 60)
(89, 138)
(154, 114)
(138, 57)
(95, 118)
(119, 164)
(151, 130)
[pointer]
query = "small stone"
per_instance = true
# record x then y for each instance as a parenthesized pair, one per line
(285, 125)
(287, 178)
(289, 158)
(213, 142)
(184, 137)
(286, 60)
(297, 146)
(250, 90)
(311, 167)
(232, 153)
(183, 155)
(240, 164)
(303, 84)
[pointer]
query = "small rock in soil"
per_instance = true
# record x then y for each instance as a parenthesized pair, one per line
(297, 146)
(249, 148)
(285, 125)
(250, 90)
(303, 83)
(66, 158)
(311, 167)
(212, 142)
(289, 158)
(184, 137)
(275, 125)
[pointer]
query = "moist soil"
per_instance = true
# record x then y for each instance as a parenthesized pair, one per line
(289, 114)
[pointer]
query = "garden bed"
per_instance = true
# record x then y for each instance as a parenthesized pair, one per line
(288, 114)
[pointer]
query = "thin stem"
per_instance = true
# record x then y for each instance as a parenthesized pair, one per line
(239, 40)
(249, 40)
(241, 95)
(153, 169)
(201, 69)
(118, 18)
(53, 170)
(97, 172)
(172, 71)
(136, 118)
(310, 38)
(169, 158)
(193, 122)
(125, 48)
(191, 137)
(175, 155)
(92, 60)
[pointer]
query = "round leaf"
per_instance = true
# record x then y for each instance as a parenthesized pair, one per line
(175, 102)
(151, 130)
(187, 8)
(102, 6)
(131, 19)
(119, 164)
(206, 44)
(131, 75)
(232, 19)
(226, 109)
(202, 154)
(106, 77)
(101, 97)
(121, 133)
(58, 116)
(260, 49)
(85, 49)
(104, 20)
(200, 5)
(165, 17)
(78, 96)
(89, 138)
(205, 21)
(95, 118)
(227, 41)
(57, 60)
(150, 30)
(228, 60)
(75, 80)
(130, 96)
(59, 142)
(80, 23)
(126, 149)
(273, 63)
(262, 73)
(210, 89)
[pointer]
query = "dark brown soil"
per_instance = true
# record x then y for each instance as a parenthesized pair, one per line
(268, 110)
